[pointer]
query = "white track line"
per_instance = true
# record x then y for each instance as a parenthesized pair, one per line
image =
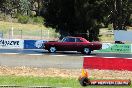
(108, 57)
(88, 56)
(35, 54)
(127, 58)
(59, 55)
(10, 53)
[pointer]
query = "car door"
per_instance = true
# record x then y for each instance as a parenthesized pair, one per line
(71, 46)
(68, 44)
(62, 44)
(80, 44)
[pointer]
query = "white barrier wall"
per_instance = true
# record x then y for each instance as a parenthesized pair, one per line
(106, 45)
(11, 43)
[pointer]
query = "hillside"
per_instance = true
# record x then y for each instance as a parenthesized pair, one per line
(26, 31)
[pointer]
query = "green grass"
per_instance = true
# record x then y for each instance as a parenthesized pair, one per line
(47, 81)
(26, 30)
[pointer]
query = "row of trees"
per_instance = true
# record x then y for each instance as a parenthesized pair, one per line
(23, 7)
(75, 17)
(87, 16)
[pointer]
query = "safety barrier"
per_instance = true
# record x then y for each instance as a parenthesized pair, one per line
(116, 48)
(21, 44)
(11, 43)
(34, 44)
(109, 63)
(38, 44)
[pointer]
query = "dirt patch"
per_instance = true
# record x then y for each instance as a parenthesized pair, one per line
(55, 72)
(41, 72)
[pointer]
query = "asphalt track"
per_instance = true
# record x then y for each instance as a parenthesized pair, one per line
(60, 53)
(43, 59)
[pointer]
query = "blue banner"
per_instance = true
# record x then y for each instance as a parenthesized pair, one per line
(34, 44)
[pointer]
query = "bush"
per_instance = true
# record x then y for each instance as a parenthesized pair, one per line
(23, 19)
(28, 19)
(38, 20)
(2, 17)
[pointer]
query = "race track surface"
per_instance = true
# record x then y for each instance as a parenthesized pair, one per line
(43, 59)
(60, 53)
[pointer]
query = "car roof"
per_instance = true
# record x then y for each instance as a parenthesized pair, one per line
(77, 37)
(72, 37)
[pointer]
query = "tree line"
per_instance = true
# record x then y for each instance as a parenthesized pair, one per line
(23, 7)
(74, 17)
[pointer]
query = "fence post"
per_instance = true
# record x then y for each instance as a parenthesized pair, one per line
(48, 34)
(9, 33)
(41, 33)
(21, 33)
(12, 32)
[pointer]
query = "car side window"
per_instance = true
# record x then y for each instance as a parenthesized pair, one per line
(68, 40)
(71, 39)
(78, 40)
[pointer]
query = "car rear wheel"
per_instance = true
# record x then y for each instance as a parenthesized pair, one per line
(52, 50)
(86, 51)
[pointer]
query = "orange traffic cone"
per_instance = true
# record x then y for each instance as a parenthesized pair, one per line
(83, 79)
(84, 73)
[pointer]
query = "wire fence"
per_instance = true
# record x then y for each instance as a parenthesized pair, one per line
(46, 34)
(29, 34)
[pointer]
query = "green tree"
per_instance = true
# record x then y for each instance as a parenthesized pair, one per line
(119, 12)
(6, 6)
(72, 17)
(24, 7)
(36, 5)
(90, 16)
(59, 14)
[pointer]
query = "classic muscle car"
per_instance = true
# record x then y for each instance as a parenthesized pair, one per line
(72, 44)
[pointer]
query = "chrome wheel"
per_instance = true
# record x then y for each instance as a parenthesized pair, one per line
(52, 50)
(87, 51)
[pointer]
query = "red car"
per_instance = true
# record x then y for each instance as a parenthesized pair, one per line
(73, 44)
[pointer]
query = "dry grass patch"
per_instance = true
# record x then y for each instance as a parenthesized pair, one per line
(9, 25)
(26, 76)
(57, 72)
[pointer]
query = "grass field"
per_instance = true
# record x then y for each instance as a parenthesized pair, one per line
(9, 25)
(26, 31)
(55, 82)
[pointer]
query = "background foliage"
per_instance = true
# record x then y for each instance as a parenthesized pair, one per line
(71, 17)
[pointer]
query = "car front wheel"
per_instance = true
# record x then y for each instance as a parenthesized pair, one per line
(52, 50)
(86, 51)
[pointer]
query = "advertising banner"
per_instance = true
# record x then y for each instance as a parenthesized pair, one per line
(11, 44)
(122, 35)
(34, 44)
(117, 48)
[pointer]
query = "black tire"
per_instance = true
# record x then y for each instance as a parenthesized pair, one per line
(86, 51)
(84, 81)
(52, 49)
